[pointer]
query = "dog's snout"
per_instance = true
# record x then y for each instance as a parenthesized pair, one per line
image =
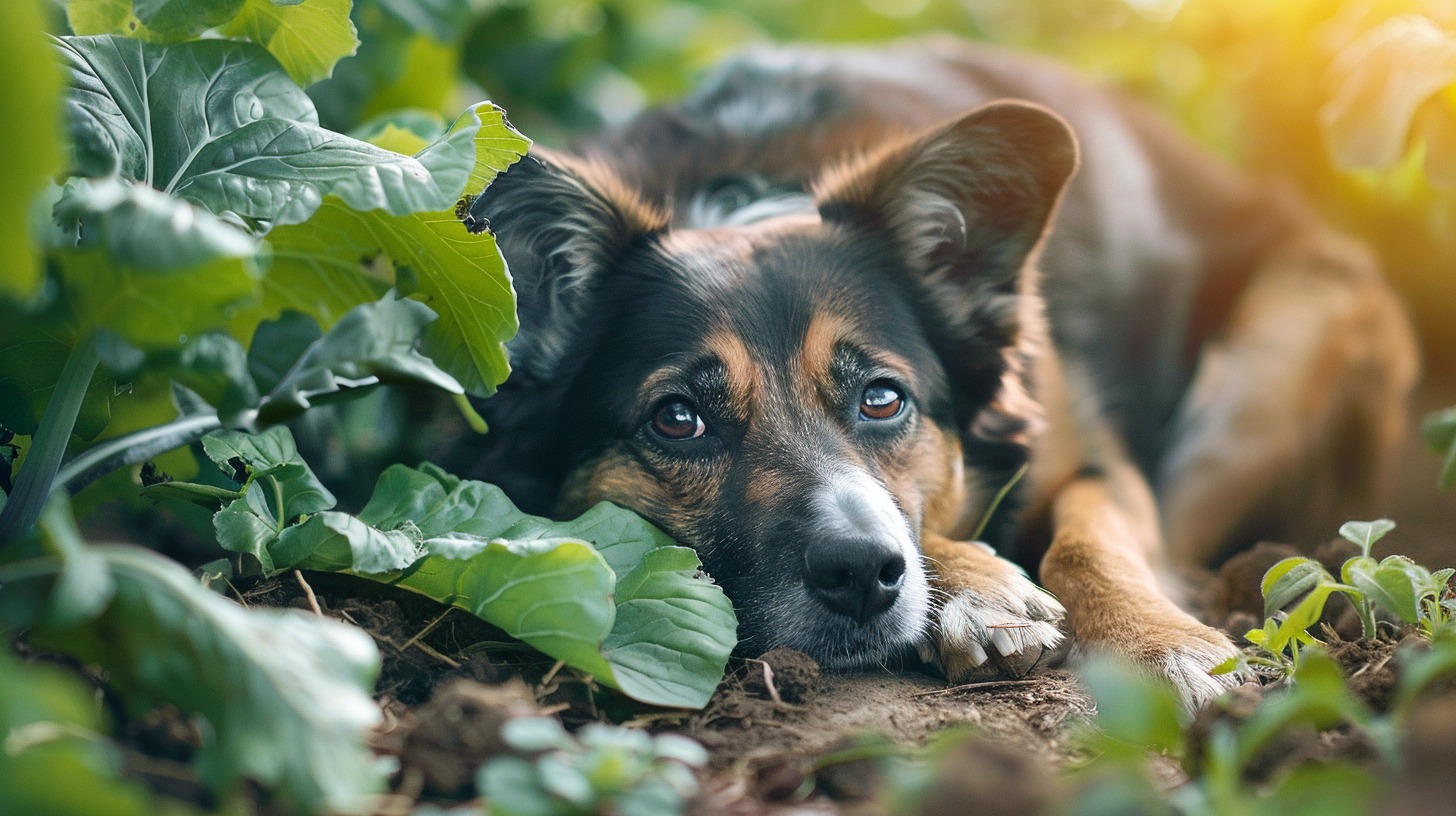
(856, 577)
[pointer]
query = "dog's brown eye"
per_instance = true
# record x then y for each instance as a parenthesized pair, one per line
(677, 420)
(881, 400)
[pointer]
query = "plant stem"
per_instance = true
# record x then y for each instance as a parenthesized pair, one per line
(48, 446)
(140, 446)
(278, 497)
(996, 502)
(1367, 620)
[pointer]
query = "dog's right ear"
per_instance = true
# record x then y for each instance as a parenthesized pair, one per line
(561, 222)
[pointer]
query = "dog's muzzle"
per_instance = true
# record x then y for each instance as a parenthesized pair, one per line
(862, 563)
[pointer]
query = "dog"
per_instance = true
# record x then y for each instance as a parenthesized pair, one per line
(840, 310)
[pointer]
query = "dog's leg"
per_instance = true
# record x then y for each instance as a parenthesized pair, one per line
(1102, 565)
(1106, 555)
(991, 617)
(1295, 410)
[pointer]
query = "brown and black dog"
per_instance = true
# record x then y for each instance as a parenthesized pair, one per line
(813, 318)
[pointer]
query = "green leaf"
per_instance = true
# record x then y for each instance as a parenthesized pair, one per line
(1419, 668)
(248, 525)
(274, 463)
(140, 227)
(461, 276)
(1366, 533)
(33, 352)
(661, 605)
(337, 541)
(1289, 580)
(374, 342)
(245, 140)
(149, 309)
(308, 38)
(277, 345)
(1439, 433)
(1394, 585)
(1132, 707)
(403, 131)
(666, 639)
(29, 140)
(84, 587)
(286, 695)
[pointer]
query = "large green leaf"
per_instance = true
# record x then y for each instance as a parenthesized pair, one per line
(286, 695)
(461, 276)
(152, 309)
(29, 139)
(241, 139)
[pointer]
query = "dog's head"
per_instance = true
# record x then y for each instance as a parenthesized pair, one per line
(798, 396)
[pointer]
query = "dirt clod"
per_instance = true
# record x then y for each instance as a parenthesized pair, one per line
(793, 675)
(1370, 668)
(458, 729)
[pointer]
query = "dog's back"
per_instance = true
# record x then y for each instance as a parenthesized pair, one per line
(1149, 252)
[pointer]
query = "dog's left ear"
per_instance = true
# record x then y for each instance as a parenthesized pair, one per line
(967, 202)
(966, 206)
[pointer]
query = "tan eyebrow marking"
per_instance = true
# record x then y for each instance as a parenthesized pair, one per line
(742, 371)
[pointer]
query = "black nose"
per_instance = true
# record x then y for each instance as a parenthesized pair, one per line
(857, 577)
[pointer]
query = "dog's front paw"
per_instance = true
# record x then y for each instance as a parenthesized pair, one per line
(1008, 628)
(1188, 660)
(1174, 646)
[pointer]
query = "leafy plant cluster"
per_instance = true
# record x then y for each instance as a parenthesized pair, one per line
(201, 262)
(1296, 591)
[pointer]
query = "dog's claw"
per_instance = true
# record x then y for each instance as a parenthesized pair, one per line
(1009, 630)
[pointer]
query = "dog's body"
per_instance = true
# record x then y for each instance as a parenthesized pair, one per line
(797, 321)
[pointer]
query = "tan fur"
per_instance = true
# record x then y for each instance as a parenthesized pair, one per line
(744, 377)
(1297, 408)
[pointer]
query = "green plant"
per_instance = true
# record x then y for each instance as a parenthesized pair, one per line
(606, 593)
(600, 770)
(1297, 589)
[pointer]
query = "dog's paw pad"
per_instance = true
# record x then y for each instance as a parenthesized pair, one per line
(1007, 630)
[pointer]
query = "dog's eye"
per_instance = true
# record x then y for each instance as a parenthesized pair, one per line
(676, 419)
(881, 400)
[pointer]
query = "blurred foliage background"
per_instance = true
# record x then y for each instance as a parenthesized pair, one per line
(1351, 101)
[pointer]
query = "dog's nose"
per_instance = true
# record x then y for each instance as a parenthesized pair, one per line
(857, 577)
